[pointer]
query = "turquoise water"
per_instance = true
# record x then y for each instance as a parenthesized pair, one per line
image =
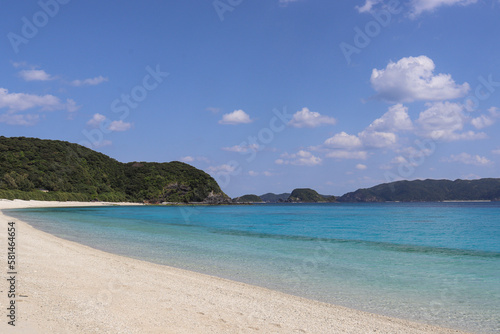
(437, 263)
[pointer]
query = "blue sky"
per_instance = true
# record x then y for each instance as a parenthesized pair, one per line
(266, 96)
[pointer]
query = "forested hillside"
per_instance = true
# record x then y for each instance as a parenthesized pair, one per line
(306, 195)
(32, 168)
(248, 199)
(428, 191)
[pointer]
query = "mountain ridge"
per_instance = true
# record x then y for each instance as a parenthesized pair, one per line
(428, 190)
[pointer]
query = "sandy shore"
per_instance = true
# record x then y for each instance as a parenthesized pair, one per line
(70, 288)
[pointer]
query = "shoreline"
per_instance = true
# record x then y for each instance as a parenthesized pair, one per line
(74, 288)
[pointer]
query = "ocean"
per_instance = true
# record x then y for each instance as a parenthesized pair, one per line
(437, 263)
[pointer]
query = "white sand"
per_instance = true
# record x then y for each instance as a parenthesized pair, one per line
(72, 288)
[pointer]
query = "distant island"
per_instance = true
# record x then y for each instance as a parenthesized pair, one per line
(306, 195)
(248, 199)
(274, 198)
(487, 189)
(300, 195)
(37, 169)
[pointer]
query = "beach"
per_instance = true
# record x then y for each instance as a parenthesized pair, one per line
(66, 287)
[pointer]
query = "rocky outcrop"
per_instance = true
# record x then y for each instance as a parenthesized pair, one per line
(217, 198)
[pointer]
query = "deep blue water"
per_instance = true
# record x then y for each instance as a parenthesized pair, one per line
(432, 262)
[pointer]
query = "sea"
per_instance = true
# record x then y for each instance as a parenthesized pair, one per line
(436, 263)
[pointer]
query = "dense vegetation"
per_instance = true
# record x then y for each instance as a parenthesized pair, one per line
(248, 199)
(73, 172)
(308, 195)
(274, 198)
(428, 191)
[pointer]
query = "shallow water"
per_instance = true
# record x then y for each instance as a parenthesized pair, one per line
(432, 262)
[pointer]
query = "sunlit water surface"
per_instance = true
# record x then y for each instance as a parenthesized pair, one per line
(437, 263)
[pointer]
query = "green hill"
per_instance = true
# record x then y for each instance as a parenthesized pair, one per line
(309, 196)
(274, 198)
(428, 191)
(248, 199)
(73, 172)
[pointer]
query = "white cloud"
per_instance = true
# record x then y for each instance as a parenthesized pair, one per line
(377, 139)
(361, 167)
(189, 158)
(468, 159)
(416, 7)
(497, 151)
(396, 119)
(343, 154)
(469, 105)
(343, 140)
(119, 126)
(225, 168)
(18, 102)
(242, 148)
(35, 75)
(470, 135)
(367, 7)
(443, 120)
(14, 119)
(236, 117)
(494, 111)
(96, 120)
(381, 132)
(411, 151)
(399, 160)
(412, 79)
(439, 121)
(254, 173)
(482, 121)
(301, 158)
(19, 64)
(71, 105)
(90, 81)
(213, 110)
(21, 101)
(310, 119)
(235, 148)
(420, 6)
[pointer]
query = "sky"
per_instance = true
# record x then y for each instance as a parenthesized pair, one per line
(265, 96)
